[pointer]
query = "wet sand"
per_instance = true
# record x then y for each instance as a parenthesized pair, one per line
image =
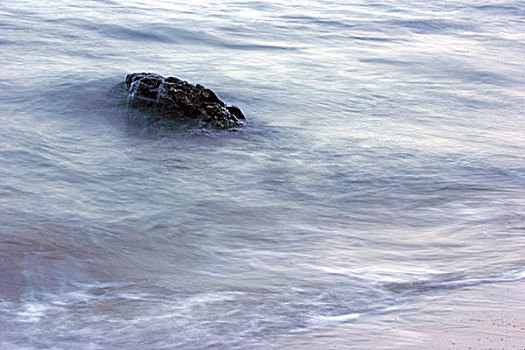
(487, 317)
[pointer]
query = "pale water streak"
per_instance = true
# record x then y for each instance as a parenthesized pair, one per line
(380, 178)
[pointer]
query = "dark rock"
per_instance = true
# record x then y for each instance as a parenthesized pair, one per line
(236, 111)
(178, 100)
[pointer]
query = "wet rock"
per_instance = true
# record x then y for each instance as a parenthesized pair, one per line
(178, 100)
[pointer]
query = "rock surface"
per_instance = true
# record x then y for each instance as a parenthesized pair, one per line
(178, 100)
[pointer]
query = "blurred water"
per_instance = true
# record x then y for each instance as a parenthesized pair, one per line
(381, 170)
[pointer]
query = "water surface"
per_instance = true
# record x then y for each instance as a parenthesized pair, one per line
(376, 192)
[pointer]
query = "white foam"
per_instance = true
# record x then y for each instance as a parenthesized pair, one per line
(32, 312)
(336, 319)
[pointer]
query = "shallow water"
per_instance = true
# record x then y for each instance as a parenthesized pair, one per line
(381, 173)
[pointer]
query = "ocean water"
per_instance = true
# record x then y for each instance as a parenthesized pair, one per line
(376, 191)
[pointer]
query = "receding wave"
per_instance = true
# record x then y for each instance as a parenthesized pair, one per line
(451, 282)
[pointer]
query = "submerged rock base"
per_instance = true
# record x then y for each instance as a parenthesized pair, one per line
(176, 99)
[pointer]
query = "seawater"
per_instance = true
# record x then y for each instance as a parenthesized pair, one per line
(379, 179)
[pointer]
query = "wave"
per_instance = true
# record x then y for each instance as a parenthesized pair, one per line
(165, 33)
(451, 282)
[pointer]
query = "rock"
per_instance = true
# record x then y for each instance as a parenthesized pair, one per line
(178, 100)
